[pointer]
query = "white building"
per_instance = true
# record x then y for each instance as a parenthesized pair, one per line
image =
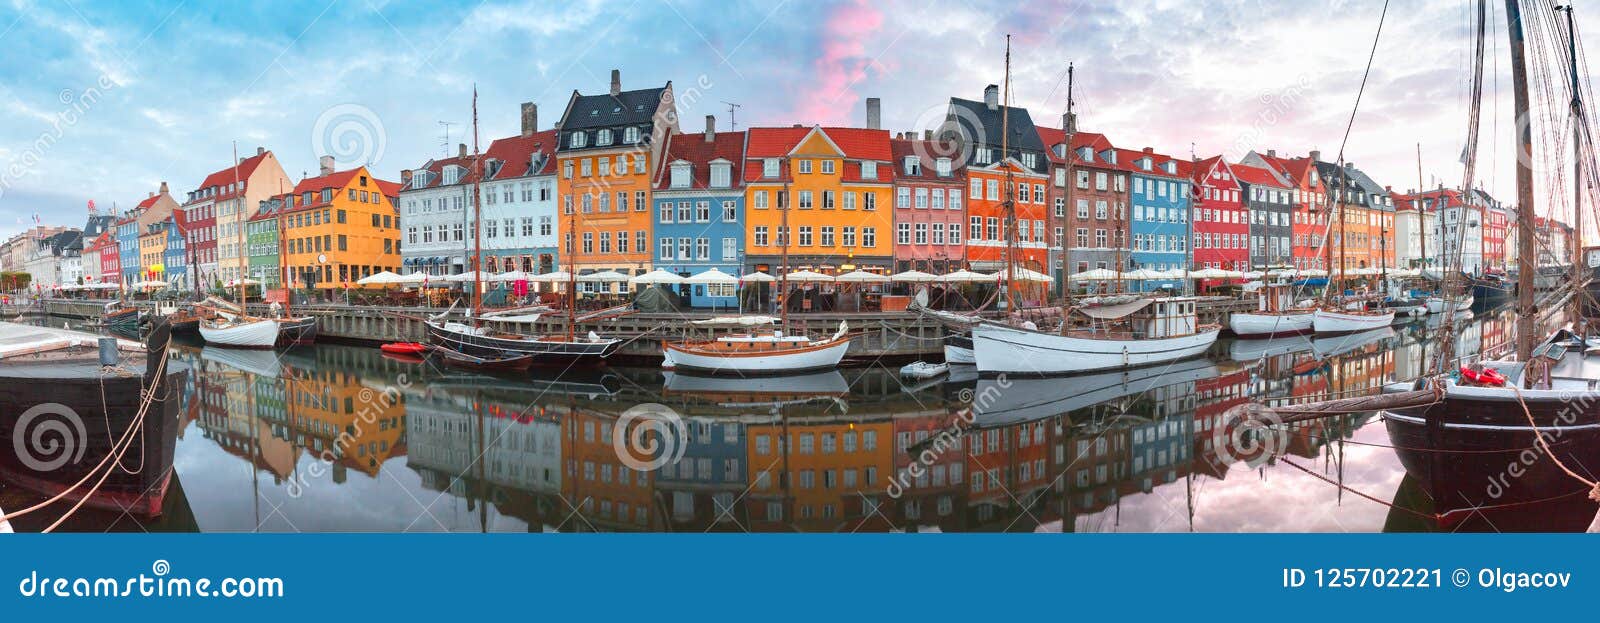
(1415, 231)
(434, 201)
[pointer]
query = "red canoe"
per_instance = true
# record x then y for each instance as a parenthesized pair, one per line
(404, 348)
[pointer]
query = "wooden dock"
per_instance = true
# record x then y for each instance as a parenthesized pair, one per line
(892, 336)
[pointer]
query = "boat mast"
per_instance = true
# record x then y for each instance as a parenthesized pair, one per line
(1526, 266)
(1067, 233)
(282, 266)
(572, 273)
(783, 235)
(1010, 203)
(238, 204)
(1578, 263)
(477, 215)
(1422, 220)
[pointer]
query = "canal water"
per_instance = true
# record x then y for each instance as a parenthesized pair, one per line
(344, 438)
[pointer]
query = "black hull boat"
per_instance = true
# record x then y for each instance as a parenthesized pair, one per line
(499, 363)
(1489, 290)
(292, 331)
(56, 402)
(122, 318)
(489, 344)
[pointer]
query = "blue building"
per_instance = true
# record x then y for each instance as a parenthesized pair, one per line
(1158, 217)
(699, 212)
(176, 257)
(703, 486)
(128, 248)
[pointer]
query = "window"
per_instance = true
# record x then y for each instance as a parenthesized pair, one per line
(827, 235)
(760, 198)
(730, 250)
(955, 233)
(869, 170)
(702, 212)
(938, 199)
(721, 175)
(805, 166)
(680, 174)
(955, 199)
(638, 200)
(730, 212)
(827, 198)
(992, 190)
(902, 233)
(761, 236)
(942, 167)
(922, 233)
(577, 139)
(869, 236)
(702, 249)
(902, 197)
(869, 201)
(805, 197)
(630, 135)
(922, 198)
(849, 238)
(805, 235)
(827, 167)
(850, 201)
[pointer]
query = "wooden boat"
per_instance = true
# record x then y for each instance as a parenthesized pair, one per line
(404, 348)
(759, 353)
(1276, 314)
(1436, 304)
(1334, 321)
(60, 391)
(490, 363)
(488, 342)
(242, 332)
(924, 370)
(958, 350)
(116, 315)
(291, 331)
(187, 319)
(1156, 330)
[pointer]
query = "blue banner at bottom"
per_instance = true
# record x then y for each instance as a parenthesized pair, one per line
(788, 577)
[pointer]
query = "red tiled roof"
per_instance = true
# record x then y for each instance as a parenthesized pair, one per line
(1127, 160)
(517, 151)
(1257, 175)
(337, 179)
(856, 143)
(927, 153)
(149, 201)
(221, 179)
(694, 149)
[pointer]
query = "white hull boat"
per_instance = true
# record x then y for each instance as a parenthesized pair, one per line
(1328, 321)
(924, 370)
(1264, 324)
(244, 333)
(958, 350)
(1003, 349)
(1436, 304)
(773, 353)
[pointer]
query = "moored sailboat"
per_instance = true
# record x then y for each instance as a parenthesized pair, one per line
(1140, 333)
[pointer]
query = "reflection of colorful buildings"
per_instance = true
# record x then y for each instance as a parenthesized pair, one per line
(608, 493)
(930, 463)
(702, 487)
(817, 474)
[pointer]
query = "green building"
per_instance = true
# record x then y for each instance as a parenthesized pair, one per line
(261, 240)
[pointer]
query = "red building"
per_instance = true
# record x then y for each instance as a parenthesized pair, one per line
(105, 246)
(1221, 223)
(1496, 227)
(929, 208)
(987, 214)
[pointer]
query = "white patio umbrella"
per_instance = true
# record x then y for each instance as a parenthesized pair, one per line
(861, 276)
(757, 277)
(1140, 274)
(712, 277)
(1210, 273)
(152, 284)
(1254, 274)
(232, 283)
(415, 278)
(1024, 274)
(604, 276)
(552, 277)
(512, 275)
(379, 279)
(808, 276)
(1096, 274)
(1313, 272)
(467, 277)
(657, 276)
(964, 276)
(913, 276)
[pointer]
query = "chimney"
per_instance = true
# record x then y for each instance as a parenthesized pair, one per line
(1316, 156)
(530, 118)
(1149, 150)
(1272, 153)
(163, 188)
(326, 163)
(991, 97)
(616, 82)
(874, 113)
(405, 177)
(1349, 165)
(261, 151)
(711, 128)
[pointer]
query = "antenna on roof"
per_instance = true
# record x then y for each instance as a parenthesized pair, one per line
(444, 141)
(733, 124)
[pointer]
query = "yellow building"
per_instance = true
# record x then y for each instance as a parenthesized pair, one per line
(153, 250)
(339, 227)
(838, 182)
(609, 146)
(817, 474)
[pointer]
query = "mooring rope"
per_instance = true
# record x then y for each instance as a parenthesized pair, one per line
(1594, 488)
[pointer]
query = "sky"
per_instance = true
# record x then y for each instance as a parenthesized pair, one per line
(104, 101)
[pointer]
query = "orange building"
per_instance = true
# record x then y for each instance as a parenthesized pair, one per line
(609, 147)
(986, 215)
(839, 182)
(609, 494)
(339, 227)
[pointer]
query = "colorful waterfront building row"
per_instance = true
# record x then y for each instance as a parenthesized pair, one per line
(617, 184)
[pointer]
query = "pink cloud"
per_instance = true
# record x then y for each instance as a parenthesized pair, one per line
(842, 65)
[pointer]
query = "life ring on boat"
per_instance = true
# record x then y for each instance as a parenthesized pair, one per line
(1491, 378)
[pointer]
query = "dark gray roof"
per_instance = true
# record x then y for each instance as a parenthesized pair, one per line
(980, 126)
(606, 111)
(97, 224)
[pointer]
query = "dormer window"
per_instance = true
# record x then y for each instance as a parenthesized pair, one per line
(769, 168)
(1144, 164)
(603, 138)
(1086, 154)
(982, 156)
(680, 174)
(913, 165)
(452, 173)
(1110, 156)
(1170, 167)
(721, 174)
(630, 135)
(577, 140)
(869, 171)
(1030, 160)
(942, 167)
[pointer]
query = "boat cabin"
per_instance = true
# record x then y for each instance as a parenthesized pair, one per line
(1150, 318)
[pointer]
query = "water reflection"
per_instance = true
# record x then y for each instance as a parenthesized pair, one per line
(342, 438)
